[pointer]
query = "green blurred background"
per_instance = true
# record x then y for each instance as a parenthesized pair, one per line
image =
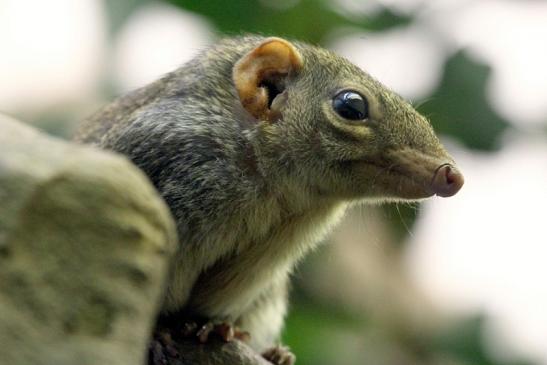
(358, 299)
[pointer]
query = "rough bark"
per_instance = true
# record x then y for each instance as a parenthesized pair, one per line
(85, 243)
(167, 350)
(84, 249)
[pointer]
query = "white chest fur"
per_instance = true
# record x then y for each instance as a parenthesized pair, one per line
(231, 285)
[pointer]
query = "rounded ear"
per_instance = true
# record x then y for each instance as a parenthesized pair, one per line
(261, 75)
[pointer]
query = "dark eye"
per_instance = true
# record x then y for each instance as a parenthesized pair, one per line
(350, 105)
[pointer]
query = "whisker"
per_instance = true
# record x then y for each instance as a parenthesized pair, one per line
(422, 103)
(407, 229)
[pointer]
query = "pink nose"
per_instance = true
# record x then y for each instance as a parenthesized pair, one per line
(447, 181)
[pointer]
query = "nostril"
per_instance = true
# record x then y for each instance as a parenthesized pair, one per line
(447, 181)
(450, 179)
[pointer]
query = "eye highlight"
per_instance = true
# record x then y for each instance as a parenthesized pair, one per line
(350, 105)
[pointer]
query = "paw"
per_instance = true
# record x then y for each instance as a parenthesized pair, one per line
(279, 355)
(225, 330)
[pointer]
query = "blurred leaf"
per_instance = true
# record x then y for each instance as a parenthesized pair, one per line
(308, 20)
(459, 107)
(464, 342)
(310, 328)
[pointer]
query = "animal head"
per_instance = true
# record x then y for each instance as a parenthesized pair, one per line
(325, 125)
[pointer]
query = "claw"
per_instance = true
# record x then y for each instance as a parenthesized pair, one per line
(165, 338)
(226, 331)
(243, 336)
(189, 328)
(204, 332)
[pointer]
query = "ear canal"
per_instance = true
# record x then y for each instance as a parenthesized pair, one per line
(261, 74)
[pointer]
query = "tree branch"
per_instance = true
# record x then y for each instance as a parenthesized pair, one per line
(164, 350)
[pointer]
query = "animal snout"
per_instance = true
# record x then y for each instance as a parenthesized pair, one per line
(447, 180)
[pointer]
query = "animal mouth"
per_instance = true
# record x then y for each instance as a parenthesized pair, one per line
(399, 182)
